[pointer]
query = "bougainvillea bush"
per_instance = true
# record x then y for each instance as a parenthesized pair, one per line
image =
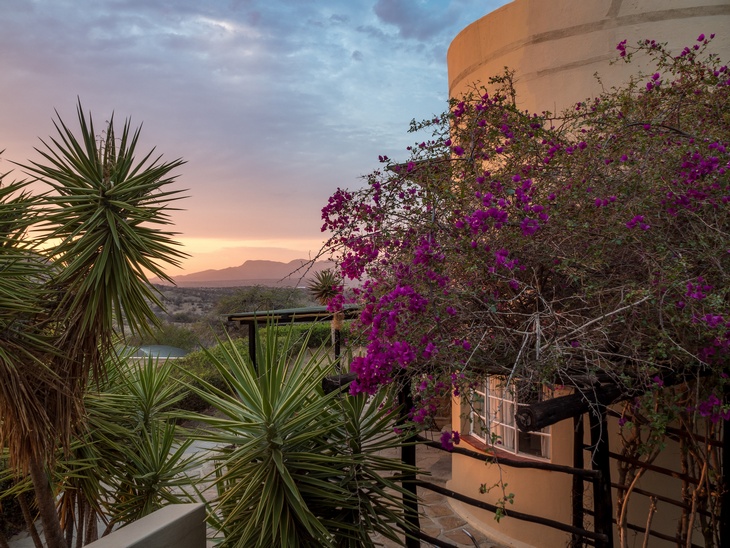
(579, 249)
(585, 249)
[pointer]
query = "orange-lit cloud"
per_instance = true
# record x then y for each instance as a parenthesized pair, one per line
(273, 105)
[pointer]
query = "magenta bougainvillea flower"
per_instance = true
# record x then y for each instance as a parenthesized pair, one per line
(563, 246)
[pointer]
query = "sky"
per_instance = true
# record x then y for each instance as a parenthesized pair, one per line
(273, 104)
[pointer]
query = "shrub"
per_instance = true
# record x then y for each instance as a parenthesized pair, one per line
(295, 466)
(197, 368)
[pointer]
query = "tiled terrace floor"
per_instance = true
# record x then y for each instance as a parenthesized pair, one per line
(438, 519)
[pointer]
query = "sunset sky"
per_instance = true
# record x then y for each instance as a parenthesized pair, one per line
(272, 103)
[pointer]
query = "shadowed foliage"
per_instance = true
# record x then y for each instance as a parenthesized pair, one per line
(75, 261)
(295, 466)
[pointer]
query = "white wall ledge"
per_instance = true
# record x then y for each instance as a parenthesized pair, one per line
(177, 525)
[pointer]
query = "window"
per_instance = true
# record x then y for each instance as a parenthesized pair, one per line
(493, 417)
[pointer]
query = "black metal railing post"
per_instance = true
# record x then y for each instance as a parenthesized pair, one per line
(601, 461)
(408, 456)
(578, 485)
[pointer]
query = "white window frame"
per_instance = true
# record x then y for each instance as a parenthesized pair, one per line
(492, 419)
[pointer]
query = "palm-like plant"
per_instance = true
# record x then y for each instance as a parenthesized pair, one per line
(106, 212)
(26, 343)
(365, 437)
(325, 287)
(297, 467)
(129, 461)
(102, 226)
(22, 340)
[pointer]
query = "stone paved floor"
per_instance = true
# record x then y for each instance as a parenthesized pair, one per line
(438, 519)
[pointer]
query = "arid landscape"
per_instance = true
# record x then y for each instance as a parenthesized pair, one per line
(254, 285)
(254, 272)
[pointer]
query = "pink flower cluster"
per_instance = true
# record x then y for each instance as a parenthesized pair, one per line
(449, 439)
(502, 215)
(713, 409)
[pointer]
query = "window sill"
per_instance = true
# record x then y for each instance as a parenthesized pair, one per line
(500, 454)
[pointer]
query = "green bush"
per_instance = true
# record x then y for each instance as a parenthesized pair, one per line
(196, 368)
(168, 334)
(313, 335)
(128, 459)
(297, 467)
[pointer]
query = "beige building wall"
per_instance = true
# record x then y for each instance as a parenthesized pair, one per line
(667, 516)
(556, 46)
(537, 492)
(548, 494)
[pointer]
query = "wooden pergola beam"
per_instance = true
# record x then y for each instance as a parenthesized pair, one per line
(285, 316)
(536, 416)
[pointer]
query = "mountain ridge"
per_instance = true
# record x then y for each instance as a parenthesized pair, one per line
(253, 272)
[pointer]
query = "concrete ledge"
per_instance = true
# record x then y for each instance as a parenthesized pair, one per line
(178, 525)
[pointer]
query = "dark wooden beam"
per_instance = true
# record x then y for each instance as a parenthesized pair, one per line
(337, 382)
(252, 345)
(513, 462)
(408, 456)
(539, 415)
(513, 513)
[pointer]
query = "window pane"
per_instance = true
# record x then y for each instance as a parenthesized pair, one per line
(508, 413)
(493, 417)
(477, 402)
(531, 444)
(508, 438)
(495, 411)
(479, 427)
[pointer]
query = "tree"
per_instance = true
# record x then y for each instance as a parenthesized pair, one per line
(260, 298)
(74, 260)
(582, 249)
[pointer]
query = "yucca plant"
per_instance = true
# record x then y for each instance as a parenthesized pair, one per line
(70, 284)
(23, 341)
(294, 466)
(131, 460)
(14, 508)
(365, 437)
(26, 428)
(324, 286)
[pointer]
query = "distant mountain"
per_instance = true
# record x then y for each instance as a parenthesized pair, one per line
(256, 272)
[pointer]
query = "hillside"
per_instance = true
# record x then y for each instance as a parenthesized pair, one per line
(253, 272)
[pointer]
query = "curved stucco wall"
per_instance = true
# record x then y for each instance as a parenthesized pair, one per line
(556, 46)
